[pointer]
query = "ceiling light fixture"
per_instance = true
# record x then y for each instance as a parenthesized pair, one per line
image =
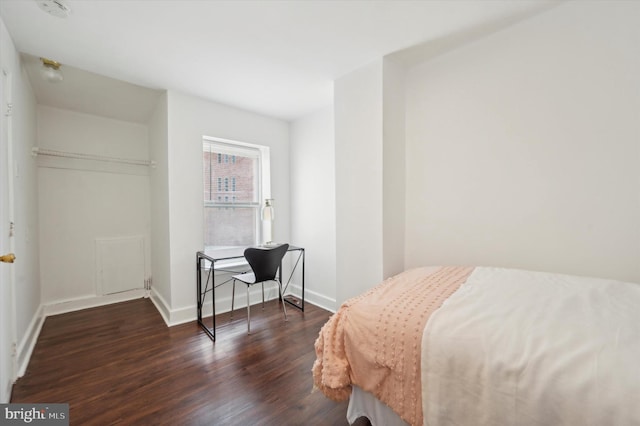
(57, 8)
(50, 70)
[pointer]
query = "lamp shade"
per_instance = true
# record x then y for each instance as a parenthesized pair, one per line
(267, 210)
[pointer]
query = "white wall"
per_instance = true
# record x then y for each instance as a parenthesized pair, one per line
(523, 148)
(393, 176)
(191, 118)
(159, 202)
(313, 206)
(358, 137)
(80, 201)
(27, 280)
(370, 176)
(27, 242)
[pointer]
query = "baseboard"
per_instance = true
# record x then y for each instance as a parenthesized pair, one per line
(28, 343)
(313, 297)
(71, 305)
(161, 305)
(319, 300)
(223, 304)
(170, 316)
(8, 392)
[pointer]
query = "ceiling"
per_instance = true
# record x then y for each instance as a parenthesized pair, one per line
(277, 58)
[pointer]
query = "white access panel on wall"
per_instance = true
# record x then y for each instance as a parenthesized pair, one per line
(119, 264)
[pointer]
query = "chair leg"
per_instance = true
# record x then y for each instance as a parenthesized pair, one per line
(233, 295)
(248, 313)
(284, 307)
(262, 295)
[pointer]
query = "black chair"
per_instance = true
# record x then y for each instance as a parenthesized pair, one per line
(264, 264)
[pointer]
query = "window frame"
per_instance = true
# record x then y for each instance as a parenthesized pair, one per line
(245, 149)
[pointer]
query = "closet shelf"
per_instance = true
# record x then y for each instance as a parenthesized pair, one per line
(35, 151)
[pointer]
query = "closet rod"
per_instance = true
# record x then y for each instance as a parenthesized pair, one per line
(35, 151)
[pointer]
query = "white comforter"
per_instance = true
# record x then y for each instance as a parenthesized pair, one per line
(514, 347)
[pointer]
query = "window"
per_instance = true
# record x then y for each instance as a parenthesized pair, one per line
(233, 219)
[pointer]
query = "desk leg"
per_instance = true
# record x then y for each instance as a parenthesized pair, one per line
(202, 297)
(280, 295)
(198, 289)
(293, 301)
(212, 333)
(304, 255)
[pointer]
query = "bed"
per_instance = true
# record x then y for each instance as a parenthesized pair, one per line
(485, 346)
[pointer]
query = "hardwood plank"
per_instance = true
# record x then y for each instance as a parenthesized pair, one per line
(120, 364)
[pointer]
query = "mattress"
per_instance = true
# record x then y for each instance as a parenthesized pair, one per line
(530, 348)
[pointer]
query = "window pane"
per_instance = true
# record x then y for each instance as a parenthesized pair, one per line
(232, 185)
(230, 226)
(243, 174)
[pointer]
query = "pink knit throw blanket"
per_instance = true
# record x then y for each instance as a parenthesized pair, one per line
(374, 340)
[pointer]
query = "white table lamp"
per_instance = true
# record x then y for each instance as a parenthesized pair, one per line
(268, 215)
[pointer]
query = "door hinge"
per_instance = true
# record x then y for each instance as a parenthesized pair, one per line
(9, 109)
(12, 228)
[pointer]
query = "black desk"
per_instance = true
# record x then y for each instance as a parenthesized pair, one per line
(218, 255)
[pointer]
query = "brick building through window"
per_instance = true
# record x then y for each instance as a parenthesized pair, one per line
(232, 192)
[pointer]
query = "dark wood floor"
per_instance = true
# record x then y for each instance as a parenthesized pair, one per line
(120, 364)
